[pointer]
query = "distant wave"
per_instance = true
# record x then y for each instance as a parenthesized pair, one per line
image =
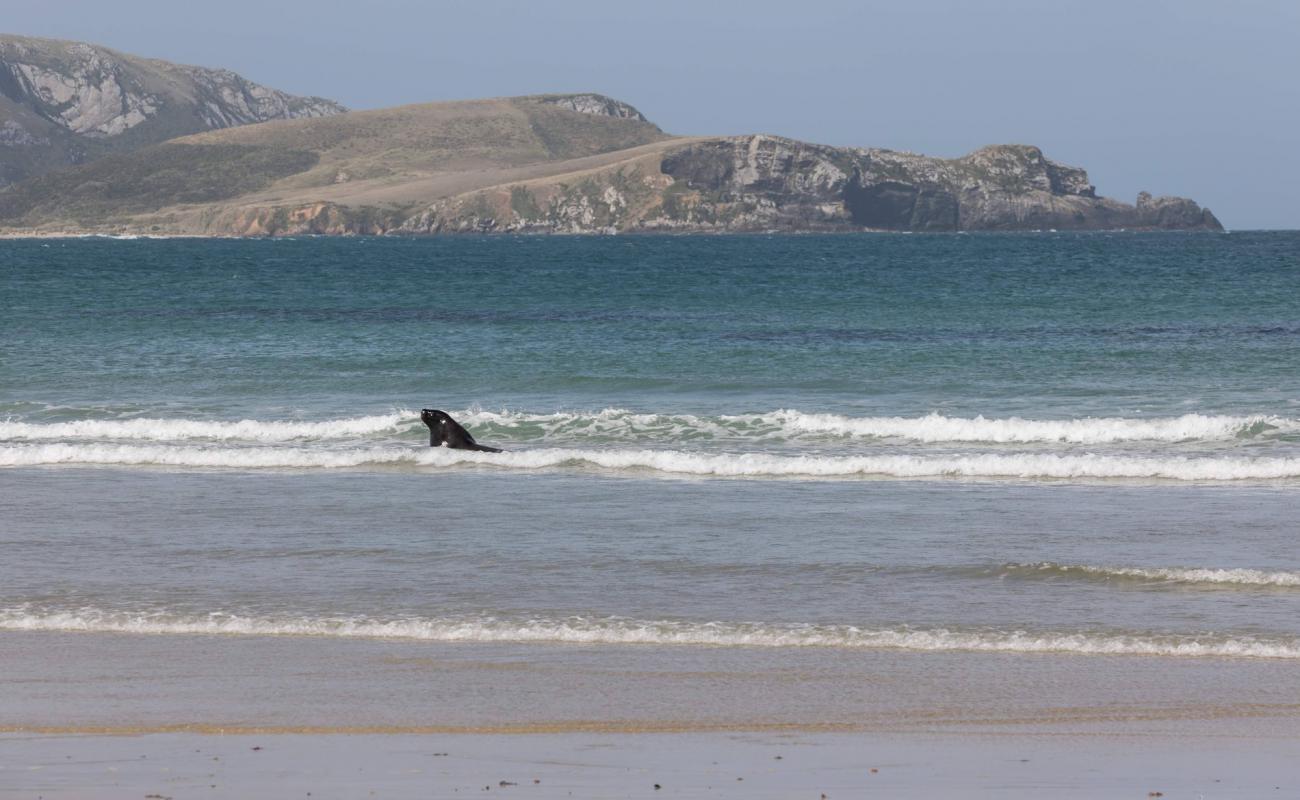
(670, 462)
(620, 631)
(1182, 575)
(250, 430)
(120, 237)
(622, 425)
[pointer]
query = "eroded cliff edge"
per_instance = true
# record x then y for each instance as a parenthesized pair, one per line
(769, 183)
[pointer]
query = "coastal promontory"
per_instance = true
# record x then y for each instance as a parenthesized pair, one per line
(91, 141)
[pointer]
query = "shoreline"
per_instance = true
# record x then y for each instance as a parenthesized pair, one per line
(81, 684)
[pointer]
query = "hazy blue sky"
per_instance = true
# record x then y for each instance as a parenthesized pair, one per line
(1192, 97)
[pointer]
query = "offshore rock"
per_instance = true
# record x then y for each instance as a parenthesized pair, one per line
(1173, 213)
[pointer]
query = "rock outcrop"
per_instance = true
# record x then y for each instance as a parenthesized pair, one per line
(1173, 213)
(66, 103)
(766, 182)
(769, 183)
(597, 104)
(225, 100)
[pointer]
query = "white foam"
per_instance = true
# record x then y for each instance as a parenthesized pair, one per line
(931, 428)
(611, 423)
(617, 424)
(1088, 430)
(671, 462)
(1187, 575)
(251, 430)
(131, 237)
(246, 457)
(619, 631)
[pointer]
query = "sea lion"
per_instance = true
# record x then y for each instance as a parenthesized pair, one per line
(445, 431)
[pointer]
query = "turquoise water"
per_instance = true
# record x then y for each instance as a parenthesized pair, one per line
(1023, 443)
(1046, 326)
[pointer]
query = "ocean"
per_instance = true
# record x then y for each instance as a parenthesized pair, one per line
(846, 479)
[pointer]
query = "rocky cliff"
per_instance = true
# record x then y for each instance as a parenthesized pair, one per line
(768, 183)
(66, 103)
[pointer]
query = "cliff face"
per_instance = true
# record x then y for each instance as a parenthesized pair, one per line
(66, 103)
(767, 183)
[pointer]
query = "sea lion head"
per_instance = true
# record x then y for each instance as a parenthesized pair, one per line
(439, 423)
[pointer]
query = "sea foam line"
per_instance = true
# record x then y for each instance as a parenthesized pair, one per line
(1182, 575)
(620, 631)
(1103, 430)
(623, 425)
(931, 428)
(251, 430)
(670, 462)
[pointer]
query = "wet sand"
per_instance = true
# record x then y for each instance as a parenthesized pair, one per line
(124, 683)
(754, 765)
(148, 716)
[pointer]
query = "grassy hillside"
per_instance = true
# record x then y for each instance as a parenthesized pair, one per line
(115, 188)
(389, 157)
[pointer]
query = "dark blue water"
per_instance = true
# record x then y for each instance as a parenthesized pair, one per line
(1046, 326)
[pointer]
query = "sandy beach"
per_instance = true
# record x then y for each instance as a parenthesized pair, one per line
(109, 716)
(722, 765)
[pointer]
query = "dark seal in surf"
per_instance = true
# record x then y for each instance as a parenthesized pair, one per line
(445, 431)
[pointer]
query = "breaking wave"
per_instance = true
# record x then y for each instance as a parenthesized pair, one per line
(250, 430)
(622, 425)
(668, 462)
(932, 428)
(1182, 575)
(621, 631)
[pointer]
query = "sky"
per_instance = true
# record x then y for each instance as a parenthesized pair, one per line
(1199, 98)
